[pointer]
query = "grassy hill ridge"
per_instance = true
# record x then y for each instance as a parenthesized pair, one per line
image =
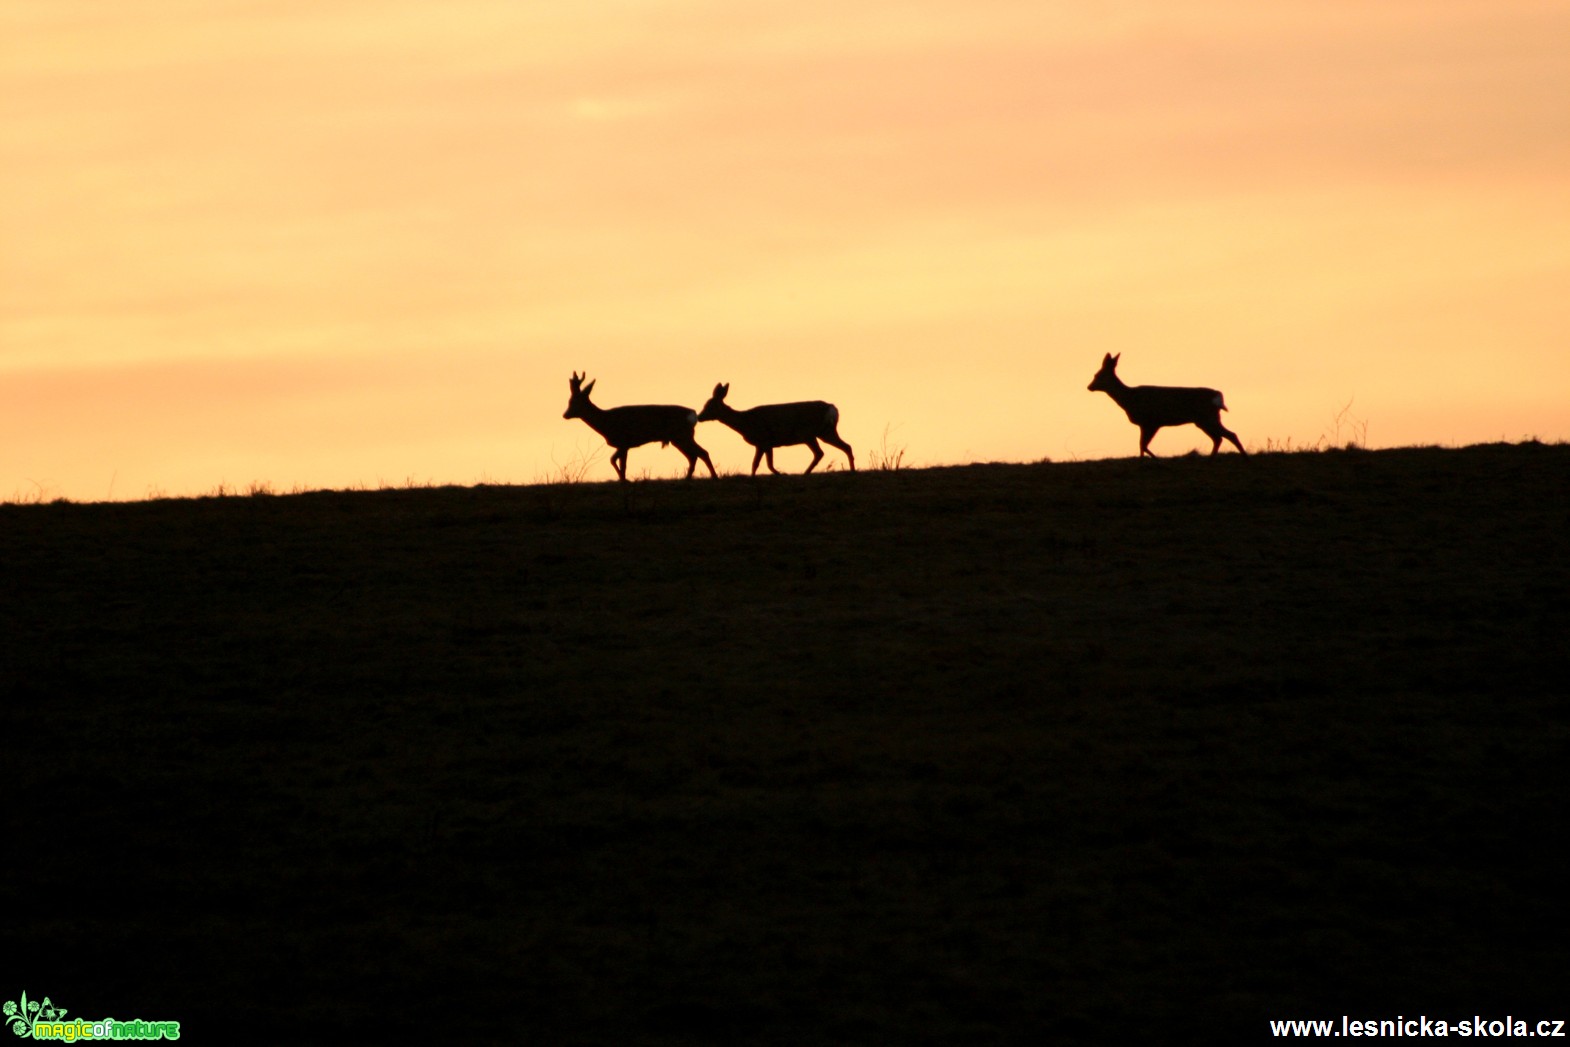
(975, 754)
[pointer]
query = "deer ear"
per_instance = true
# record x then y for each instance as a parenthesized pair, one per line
(719, 389)
(1116, 358)
(589, 388)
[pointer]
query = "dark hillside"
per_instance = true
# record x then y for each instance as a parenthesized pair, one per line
(990, 754)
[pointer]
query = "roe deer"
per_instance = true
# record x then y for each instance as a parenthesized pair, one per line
(1152, 407)
(628, 427)
(780, 425)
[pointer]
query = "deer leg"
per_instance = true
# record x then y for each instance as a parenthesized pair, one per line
(1217, 432)
(834, 440)
(687, 449)
(1145, 433)
(768, 455)
(695, 453)
(619, 463)
(1212, 428)
(756, 458)
(817, 454)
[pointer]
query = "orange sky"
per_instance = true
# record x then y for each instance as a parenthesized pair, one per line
(344, 242)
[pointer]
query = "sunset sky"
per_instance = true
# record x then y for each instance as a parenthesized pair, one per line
(332, 243)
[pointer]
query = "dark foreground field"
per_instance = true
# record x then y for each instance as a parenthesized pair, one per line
(1044, 753)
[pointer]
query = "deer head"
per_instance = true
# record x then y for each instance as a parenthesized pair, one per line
(711, 410)
(578, 402)
(1106, 378)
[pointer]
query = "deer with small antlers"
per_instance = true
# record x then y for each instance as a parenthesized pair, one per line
(1153, 407)
(780, 425)
(634, 425)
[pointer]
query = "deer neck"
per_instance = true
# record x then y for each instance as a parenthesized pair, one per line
(725, 414)
(1116, 389)
(594, 416)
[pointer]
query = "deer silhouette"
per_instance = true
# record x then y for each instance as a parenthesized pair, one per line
(634, 425)
(780, 425)
(1153, 407)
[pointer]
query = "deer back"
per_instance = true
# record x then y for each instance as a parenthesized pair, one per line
(779, 425)
(1170, 404)
(637, 424)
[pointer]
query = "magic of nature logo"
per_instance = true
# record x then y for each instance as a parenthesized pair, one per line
(43, 1020)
